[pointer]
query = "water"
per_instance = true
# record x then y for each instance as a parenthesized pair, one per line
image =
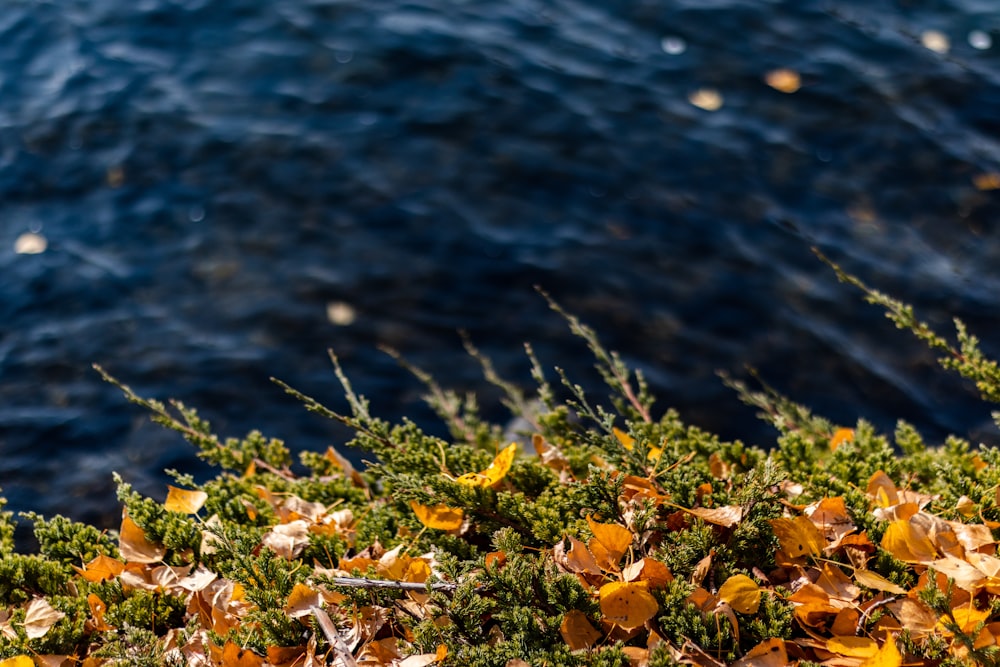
(229, 189)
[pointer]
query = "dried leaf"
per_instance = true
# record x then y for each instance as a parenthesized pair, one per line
(798, 537)
(961, 572)
(882, 490)
(887, 656)
(184, 501)
(287, 539)
(577, 631)
(438, 517)
(609, 544)
(908, 543)
(494, 474)
(653, 572)
(578, 559)
(101, 568)
(768, 653)
(235, 656)
(39, 616)
(726, 516)
(854, 647)
(301, 601)
(877, 582)
(742, 593)
(97, 609)
(134, 546)
(629, 604)
(18, 661)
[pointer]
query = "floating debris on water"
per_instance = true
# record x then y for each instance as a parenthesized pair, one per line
(673, 45)
(785, 80)
(936, 41)
(708, 99)
(340, 313)
(980, 39)
(30, 243)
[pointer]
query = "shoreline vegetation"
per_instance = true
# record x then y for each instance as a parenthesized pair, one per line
(612, 535)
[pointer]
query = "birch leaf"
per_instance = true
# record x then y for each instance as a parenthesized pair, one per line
(627, 604)
(39, 616)
(184, 500)
(439, 517)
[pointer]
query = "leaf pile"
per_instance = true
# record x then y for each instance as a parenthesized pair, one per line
(598, 535)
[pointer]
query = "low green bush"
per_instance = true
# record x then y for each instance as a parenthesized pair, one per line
(609, 535)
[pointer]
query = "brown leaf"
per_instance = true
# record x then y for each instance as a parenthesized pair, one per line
(577, 631)
(768, 653)
(726, 516)
(235, 656)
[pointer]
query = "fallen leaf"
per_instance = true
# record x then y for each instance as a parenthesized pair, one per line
(629, 604)
(887, 656)
(494, 474)
(908, 543)
(134, 546)
(39, 616)
(577, 631)
(184, 501)
(877, 582)
(853, 647)
(18, 661)
(301, 601)
(235, 656)
(578, 559)
(609, 544)
(101, 568)
(726, 516)
(798, 537)
(287, 539)
(438, 517)
(653, 572)
(768, 653)
(742, 593)
(788, 81)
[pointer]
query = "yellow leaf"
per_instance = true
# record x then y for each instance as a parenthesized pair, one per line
(628, 442)
(577, 631)
(101, 568)
(134, 546)
(627, 604)
(742, 593)
(301, 601)
(908, 543)
(440, 517)
(17, 661)
(768, 653)
(852, 647)
(184, 501)
(840, 436)
(494, 474)
(610, 543)
(887, 656)
(798, 536)
(877, 582)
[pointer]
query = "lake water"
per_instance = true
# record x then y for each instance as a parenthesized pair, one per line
(226, 190)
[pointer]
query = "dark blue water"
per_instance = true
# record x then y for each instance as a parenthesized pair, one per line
(210, 177)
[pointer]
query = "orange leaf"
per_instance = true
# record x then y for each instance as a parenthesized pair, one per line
(882, 490)
(785, 81)
(134, 546)
(577, 631)
(609, 544)
(627, 604)
(301, 601)
(234, 656)
(494, 474)
(184, 501)
(97, 609)
(768, 653)
(653, 572)
(439, 517)
(840, 436)
(887, 656)
(798, 537)
(101, 568)
(742, 593)
(908, 543)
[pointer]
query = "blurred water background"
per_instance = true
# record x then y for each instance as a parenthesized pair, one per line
(199, 195)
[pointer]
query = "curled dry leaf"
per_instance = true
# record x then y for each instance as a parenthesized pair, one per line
(39, 616)
(726, 516)
(134, 546)
(494, 474)
(577, 631)
(287, 539)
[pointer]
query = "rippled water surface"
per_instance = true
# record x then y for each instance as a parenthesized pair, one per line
(228, 189)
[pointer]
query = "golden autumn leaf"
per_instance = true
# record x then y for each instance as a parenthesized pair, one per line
(18, 661)
(494, 474)
(653, 572)
(101, 568)
(301, 601)
(882, 490)
(134, 546)
(852, 647)
(439, 517)
(235, 656)
(629, 604)
(742, 593)
(609, 544)
(97, 609)
(908, 542)
(887, 656)
(877, 582)
(577, 631)
(798, 537)
(184, 500)
(768, 653)
(726, 516)
(628, 442)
